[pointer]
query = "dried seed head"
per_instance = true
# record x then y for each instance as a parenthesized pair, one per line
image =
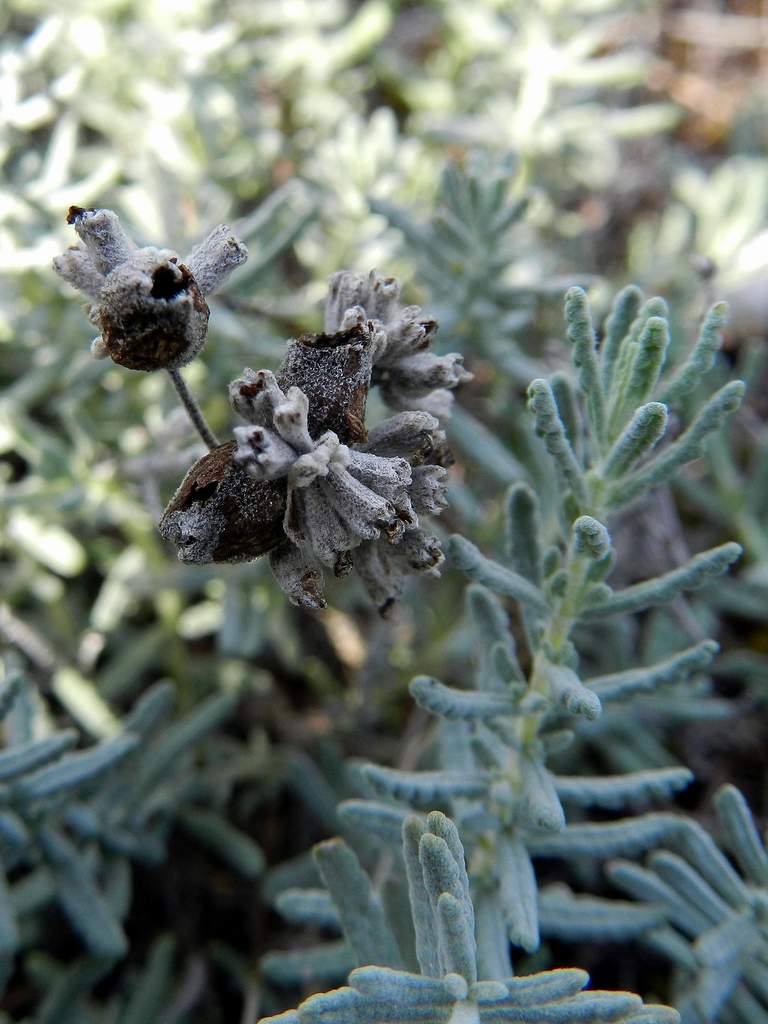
(337, 497)
(334, 372)
(103, 237)
(415, 436)
(254, 395)
(410, 376)
(424, 380)
(384, 569)
(303, 480)
(76, 266)
(333, 495)
(378, 295)
(428, 489)
(151, 312)
(148, 303)
(221, 514)
(213, 260)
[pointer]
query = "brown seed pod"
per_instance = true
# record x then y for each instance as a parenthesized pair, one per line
(334, 372)
(221, 514)
(151, 312)
(149, 304)
(304, 481)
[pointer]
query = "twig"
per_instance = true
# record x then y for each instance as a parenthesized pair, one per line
(251, 1005)
(189, 991)
(27, 639)
(159, 464)
(193, 409)
(252, 307)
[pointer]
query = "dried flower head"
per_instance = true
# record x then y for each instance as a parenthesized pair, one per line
(337, 497)
(410, 376)
(148, 303)
(311, 484)
(304, 480)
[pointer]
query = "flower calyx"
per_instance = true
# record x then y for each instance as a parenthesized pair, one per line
(148, 303)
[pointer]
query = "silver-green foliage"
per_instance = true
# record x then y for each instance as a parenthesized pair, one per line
(532, 77)
(67, 989)
(498, 738)
(715, 928)
(71, 821)
(467, 253)
(445, 984)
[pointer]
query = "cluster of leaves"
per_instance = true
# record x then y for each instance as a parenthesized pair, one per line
(74, 821)
(447, 980)
(130, 132)
(715, 927)
(496, 740)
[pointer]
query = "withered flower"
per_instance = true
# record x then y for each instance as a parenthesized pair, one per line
(385, 568)
(332, 493)
(304, 480)
(148, 303)
(410, 376)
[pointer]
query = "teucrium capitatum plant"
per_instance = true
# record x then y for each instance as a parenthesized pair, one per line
(600, 431)
(306, 482)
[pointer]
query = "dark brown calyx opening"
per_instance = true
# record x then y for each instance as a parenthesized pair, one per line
(166, 284)
(251, 388)
(357, 334)
(75, 212)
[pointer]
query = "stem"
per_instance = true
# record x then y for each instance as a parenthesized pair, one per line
(556, 634)
(193, 410)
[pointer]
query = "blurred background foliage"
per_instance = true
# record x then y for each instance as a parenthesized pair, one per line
(489, 154)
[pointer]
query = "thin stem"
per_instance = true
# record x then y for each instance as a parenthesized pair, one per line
(193, 409)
